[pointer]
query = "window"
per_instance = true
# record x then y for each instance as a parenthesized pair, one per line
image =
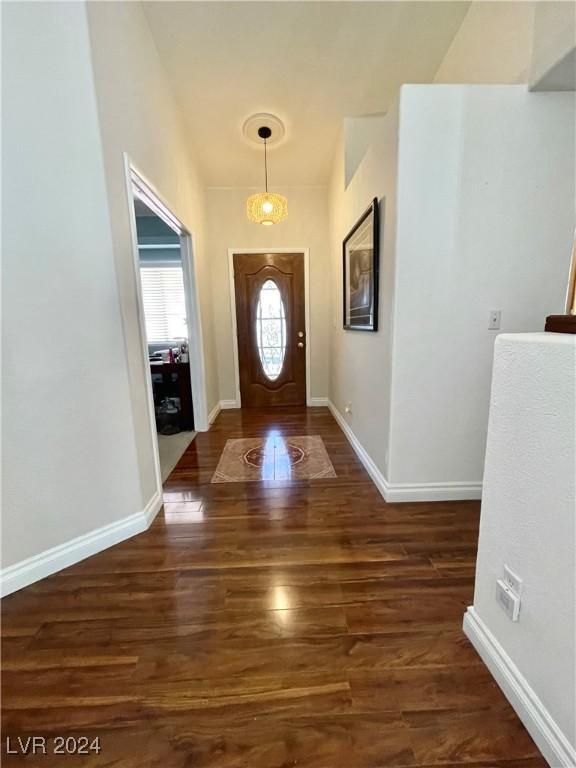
(164, 303)
(271, 330)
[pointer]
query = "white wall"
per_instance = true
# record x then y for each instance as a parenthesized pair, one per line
(554, 38)
(479, 215)
(79, 448)
(493, 44)
(528, 523)
(305, 227)
(360, 133)
(485, 221)
(361, 362)
(138, 115)
(514, 42)
(69, 460)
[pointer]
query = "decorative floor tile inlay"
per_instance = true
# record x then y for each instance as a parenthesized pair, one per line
(273, 458)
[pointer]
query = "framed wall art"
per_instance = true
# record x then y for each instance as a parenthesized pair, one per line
(360, 253)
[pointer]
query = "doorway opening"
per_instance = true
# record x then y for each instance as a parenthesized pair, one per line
(269, 296)
(166, 325)
(169, 325)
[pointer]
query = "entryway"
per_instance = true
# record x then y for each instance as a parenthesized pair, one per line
(270, 301)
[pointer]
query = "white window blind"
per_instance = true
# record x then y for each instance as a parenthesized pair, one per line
(164, 303)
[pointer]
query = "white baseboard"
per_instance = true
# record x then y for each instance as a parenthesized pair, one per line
(226, 405)
(398, 492)
(214, 413)
(39, 566)
(456, 491)
(537, 720)
(318, 402)
(223, 405)
(377, 477)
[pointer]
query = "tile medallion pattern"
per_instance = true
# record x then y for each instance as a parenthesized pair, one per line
(273, 458)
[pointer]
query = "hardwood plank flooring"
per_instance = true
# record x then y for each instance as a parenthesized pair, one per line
(266, 625)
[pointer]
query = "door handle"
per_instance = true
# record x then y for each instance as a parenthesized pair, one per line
(300, 344)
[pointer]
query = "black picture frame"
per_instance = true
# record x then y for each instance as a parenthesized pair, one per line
(361, 256)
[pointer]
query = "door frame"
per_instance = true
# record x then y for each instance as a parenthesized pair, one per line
(135, 180)
(248, 251)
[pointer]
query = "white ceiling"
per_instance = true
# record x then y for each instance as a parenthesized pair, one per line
(310, 63)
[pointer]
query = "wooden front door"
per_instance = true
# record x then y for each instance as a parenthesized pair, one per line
(271, 326)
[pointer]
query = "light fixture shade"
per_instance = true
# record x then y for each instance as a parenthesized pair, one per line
(267, 208)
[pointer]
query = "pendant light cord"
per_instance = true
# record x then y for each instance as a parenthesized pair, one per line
(265, 166)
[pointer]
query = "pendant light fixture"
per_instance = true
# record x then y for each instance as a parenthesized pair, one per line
(266, 207)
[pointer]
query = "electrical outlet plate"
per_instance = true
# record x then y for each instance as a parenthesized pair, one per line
(513, 582)
(494, 320)
(507, 600)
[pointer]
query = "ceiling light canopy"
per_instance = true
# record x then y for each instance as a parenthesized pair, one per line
(253, 124)
(266, 207)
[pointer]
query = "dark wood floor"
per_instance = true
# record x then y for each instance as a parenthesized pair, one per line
(308, 625)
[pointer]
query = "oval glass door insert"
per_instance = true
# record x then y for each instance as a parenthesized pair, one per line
(271, 330)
